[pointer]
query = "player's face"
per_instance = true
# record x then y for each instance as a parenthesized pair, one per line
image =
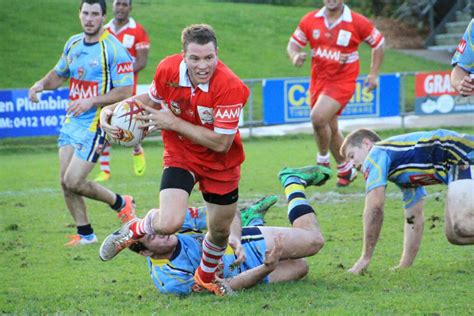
(121, 9)
(159, 244)
(357, 155)
(91, 18)
(201, 61)
(333, 5)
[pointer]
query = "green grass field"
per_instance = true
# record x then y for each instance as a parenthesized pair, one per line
(39, 275)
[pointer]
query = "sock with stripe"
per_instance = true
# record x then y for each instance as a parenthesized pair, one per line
(295, 195)
(145, 225)
(211, 254)
(104, 159)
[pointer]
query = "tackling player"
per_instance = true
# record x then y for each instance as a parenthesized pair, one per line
(334, 34)
(200, 100)
(463, 62)
(412, 161)
(134, 37)
(100, 73)
(273, 254)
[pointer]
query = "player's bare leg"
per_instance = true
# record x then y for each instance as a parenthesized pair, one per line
(173, 208)
(289, 270)
(304, 238)
(75, 180)
(74, 202)
(322, 113)
(336, 140)
(459, 212)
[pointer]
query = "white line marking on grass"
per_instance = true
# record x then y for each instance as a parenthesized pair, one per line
(30, 191)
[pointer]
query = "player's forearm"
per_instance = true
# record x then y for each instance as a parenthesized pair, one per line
(113, 96)
(249, 278)
(292, 50)
(141, 60)
(413, 234)
(376, 60)
(373, 220)
(457, 76)
(50, 82)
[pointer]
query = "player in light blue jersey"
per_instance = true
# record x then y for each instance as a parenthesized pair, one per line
(462, 79)
(412, 161)
(100, 72)
(272, 254)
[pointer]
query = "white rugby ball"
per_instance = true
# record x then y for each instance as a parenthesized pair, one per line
(123, 117)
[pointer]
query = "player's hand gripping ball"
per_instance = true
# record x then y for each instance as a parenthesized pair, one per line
(123, 118)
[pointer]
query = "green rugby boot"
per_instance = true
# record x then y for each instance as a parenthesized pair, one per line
(310, 175)
(257, 209)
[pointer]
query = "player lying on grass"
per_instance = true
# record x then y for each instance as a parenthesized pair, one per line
(412, 161)
(273, 254)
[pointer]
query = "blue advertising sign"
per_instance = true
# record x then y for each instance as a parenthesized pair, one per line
(288, 100)
(19, 117)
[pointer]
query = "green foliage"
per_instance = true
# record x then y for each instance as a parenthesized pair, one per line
(40, 276)
(252, 38)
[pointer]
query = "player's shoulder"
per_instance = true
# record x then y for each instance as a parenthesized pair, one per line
(225, 75)
(73, 41)
(358, 17)
(139, 26)
(310, 16)
(110, 39)
(170, 63)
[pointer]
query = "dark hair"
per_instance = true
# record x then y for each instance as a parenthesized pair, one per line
(137, 247)
(129, 2)
(102, 4)
(198, 33)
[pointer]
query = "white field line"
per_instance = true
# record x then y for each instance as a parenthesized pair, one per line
(330, 197)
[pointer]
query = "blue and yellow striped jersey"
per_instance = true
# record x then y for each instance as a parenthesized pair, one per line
(176, 275)
(94, 69)
(414, 160)
(464, 55)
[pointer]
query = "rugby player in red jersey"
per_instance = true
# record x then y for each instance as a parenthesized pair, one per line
(196, 101)
(334, 34)
(133, 36)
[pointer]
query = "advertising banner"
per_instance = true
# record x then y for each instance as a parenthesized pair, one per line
(19, 117)
(434, 95)
(288, 100)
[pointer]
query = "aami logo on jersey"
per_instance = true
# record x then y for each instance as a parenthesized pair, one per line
(124, 68)
(227, 113)
(461, 46)
(81, 89)
(433, 84)
(326, 53)
(424, 179)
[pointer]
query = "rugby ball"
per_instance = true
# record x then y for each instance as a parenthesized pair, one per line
(123, 118)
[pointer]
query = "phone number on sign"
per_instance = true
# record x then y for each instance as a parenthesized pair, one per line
(32, 121)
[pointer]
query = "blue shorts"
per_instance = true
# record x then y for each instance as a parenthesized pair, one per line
(254, 245)
(87, 145)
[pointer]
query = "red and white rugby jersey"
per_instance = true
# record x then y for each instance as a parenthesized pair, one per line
(334, 47)
(216, 106)
(132, 35)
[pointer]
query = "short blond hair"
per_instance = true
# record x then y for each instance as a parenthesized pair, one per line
(356, 137)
